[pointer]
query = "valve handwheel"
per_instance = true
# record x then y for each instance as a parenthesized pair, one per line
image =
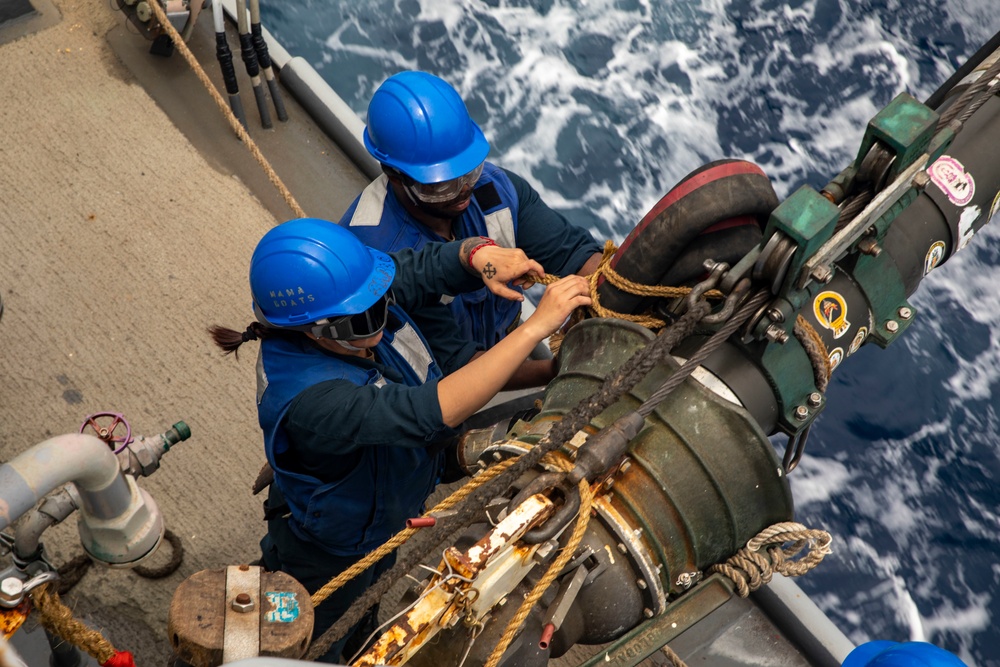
(105, 425)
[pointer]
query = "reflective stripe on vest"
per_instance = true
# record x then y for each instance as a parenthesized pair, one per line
(500, 225)
(369, 210)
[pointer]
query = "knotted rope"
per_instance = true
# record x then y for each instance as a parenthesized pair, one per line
(750, 569)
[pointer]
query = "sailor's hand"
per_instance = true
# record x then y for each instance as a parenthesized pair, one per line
(498, 266)
(561, 298)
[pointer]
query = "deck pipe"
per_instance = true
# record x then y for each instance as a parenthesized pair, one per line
(119, 523)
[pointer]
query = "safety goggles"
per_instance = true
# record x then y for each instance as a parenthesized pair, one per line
(354, 327)
(436, 193)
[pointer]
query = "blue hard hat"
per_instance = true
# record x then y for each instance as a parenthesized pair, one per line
(308, 270)
(418, 124)
(894, 654)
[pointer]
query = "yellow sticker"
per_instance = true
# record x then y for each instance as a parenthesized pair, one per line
(836, 356)
(830, 309)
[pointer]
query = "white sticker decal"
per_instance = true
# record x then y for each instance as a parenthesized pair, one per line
(949, 174)
(859, 338)
(995, 208)
(836, 356)
(935, 254)
(965, 223)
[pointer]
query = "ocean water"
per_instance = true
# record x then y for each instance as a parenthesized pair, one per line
(605, 104)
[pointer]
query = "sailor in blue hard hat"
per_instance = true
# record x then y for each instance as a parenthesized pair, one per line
(356, 405)
(883, 653)
(437, 186)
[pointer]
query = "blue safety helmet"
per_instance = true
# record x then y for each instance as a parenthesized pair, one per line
(418, 124)
(309, 271)
(883, 653)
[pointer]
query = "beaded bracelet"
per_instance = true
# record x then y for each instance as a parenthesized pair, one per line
(486, 242)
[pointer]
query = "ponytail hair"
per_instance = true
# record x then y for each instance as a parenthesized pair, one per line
(229, 340)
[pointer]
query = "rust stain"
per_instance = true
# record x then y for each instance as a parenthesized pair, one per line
(12, 619)
(437, 609)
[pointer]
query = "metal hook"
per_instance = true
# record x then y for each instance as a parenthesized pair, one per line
(716, 271)
(732, 300)
(794, 450)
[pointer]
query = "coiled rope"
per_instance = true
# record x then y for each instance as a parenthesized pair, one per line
(750, 569)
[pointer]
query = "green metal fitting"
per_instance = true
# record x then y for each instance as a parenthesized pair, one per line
(807, 218)
(905, 127)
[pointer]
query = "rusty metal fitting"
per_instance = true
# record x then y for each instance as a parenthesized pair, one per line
(243, 603)
(869, 246)
(821, 274)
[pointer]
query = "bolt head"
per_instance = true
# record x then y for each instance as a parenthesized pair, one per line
(647, 612)
(801, 412)
(815, 399)
(626, 464)
(892, 326)
(608, 483)
(243, 603)
(905, 313)
(11, 589)
(776, 334)
(641, 583)
(622, 548)
(821, 274)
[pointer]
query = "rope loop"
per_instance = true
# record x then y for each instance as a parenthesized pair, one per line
(749, 568)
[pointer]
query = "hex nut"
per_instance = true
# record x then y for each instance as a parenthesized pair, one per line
(11, 589)
(892, 326)
(243, 603)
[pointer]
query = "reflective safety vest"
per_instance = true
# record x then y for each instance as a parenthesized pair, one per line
(386, 484)
(380, 221)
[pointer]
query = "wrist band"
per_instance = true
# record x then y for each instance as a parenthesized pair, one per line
(486, 242)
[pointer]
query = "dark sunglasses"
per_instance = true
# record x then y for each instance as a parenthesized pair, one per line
(354, 327)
